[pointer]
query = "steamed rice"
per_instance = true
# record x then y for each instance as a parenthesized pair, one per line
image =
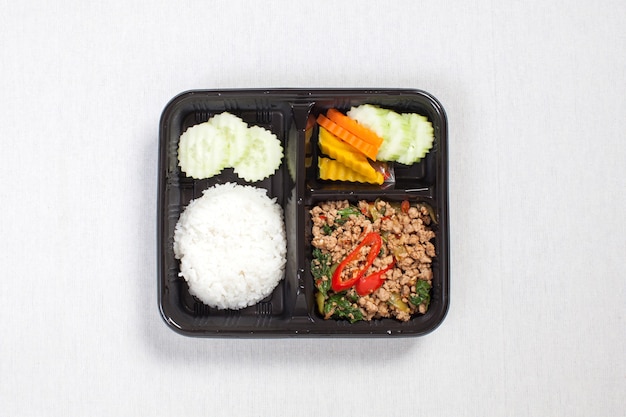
(231, 245)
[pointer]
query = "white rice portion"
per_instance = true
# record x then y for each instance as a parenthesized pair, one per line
(231, 245)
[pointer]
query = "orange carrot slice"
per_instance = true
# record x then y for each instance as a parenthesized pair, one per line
(354, 127)
(366, 148)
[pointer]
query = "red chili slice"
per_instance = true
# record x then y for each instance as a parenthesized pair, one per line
(369, 284)
(375, 242)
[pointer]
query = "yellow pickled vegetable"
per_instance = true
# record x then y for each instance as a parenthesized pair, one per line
(336, 171)
(396, 301)
(319, 298)
(328, 139)
(346, 155)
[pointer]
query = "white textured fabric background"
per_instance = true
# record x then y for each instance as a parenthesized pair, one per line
(535, 94)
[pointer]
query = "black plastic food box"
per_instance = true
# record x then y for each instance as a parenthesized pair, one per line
(290, 311)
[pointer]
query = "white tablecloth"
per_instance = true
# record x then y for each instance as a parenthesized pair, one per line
(535, 97)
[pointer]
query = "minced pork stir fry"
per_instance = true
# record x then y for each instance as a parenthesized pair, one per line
(373, 260)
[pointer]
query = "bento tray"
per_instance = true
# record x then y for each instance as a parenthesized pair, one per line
(290, 311)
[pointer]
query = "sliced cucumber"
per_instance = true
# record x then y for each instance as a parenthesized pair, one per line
(396, 139)
(202, 151)
(225, 140)
(407, 137)
(371, 117)
(262, 157)
(421, 132)
(235, 130)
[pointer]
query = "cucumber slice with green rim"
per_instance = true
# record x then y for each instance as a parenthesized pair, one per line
(225, 140)
(202, 151)
(421, 132)
(395, 138)
(262, 157)
(407, 137)
(235, 130)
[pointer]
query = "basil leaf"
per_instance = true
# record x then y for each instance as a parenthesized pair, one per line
(422, 296)
(340, 307)
(345, 213)
(321, 269)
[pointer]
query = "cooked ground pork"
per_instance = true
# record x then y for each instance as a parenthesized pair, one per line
(407, 238)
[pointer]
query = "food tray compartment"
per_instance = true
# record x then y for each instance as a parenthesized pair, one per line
(290, 310)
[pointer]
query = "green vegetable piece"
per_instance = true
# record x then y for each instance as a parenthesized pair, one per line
(345, 213)
(263, 156)
(236, 133)
(339, 306)
(202, 151)
(225, 140)
(422, 294)
(319, 299)
(321, 269)
(396, 301)
(407, 137)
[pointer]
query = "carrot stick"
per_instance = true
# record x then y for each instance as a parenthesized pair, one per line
(366, 148)
(354, 127)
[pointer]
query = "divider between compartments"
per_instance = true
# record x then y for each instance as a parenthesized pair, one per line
(298, 304)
